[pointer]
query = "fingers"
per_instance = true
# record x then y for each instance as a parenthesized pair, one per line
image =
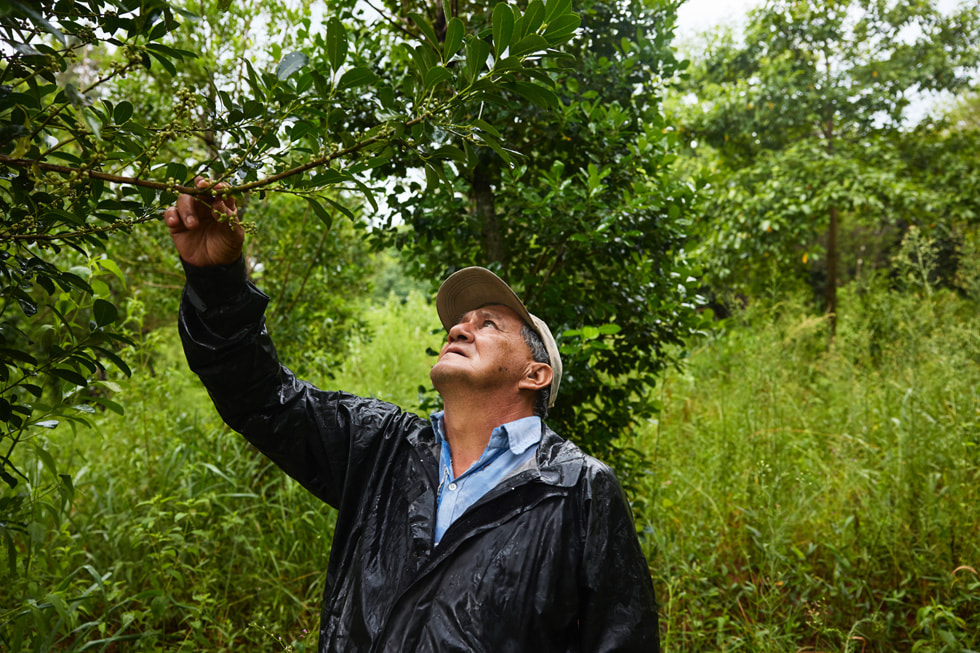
(225, 205)
(172, 220)
(187, 211)
(190, 211)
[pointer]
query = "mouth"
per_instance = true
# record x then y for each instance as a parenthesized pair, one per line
(453, 350)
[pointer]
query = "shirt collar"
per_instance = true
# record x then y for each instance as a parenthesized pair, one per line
(519, 435)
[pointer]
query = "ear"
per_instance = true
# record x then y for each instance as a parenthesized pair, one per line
(536, 376)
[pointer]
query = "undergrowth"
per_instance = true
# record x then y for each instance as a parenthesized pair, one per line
(815, 497)
(802, 496)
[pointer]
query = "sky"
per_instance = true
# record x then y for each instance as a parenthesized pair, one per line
(695, 16)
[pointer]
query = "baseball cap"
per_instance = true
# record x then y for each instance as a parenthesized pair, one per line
(473, 287)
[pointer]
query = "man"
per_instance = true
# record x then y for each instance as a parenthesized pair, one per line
(480, 530)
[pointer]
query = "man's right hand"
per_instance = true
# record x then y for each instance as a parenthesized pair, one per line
(202, 238)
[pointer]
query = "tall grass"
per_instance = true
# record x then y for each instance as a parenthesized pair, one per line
(808, 497)
(801, 497)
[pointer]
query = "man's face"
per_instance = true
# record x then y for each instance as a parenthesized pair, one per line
(484, 349)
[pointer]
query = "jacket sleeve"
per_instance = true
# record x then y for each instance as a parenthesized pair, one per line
(619, 610)
(315, 436)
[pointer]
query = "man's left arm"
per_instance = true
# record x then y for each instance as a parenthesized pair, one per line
(619, 610)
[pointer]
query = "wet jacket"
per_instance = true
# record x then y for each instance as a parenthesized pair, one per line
(547, 561)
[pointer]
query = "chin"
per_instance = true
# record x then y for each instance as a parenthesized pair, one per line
(442, 372)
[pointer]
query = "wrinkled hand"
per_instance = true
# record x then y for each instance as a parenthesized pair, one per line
(201, 238)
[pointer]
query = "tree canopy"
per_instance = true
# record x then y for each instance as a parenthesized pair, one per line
(587, 221)
(802, 116)
(108, 109)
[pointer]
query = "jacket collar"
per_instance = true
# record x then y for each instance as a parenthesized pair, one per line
(559, 461)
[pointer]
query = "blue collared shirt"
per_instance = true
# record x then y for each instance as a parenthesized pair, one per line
(512, 447)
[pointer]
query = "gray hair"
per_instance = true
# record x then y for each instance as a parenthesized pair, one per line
(540, 355)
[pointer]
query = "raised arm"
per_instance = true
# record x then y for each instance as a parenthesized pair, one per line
(315, 436)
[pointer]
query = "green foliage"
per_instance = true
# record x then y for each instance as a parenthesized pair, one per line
(313, 274)
(800, 496)
(180, 537)
(108, 109)
(815, 498)
(587, 225)
(801, 122)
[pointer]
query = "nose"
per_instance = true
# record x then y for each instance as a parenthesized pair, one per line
(460, 331)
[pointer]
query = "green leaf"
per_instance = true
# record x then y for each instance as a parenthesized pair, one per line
(173, 53)
(320, 212)
(71, 376)
(454, 39)
(477, 52)
(291, 63)
(359, 76)
(324, 177)
(167, 64)
(530, 43)
(435, 76)
(58, 603)
(537, 94)
(123, 112)
(422, 60)
(253, 79)
(109, 404)
(533, 17)
(450, 152)
(503, 28)
(25, 10)
(562, 28)
(105, 312)
(93, 123)
(553, 8)
(17, 355)
(434, 176)
(503, 153)
(336, 43)
(340, 207)
(27, 306)
(116, 360)
(485, 126)
(426, 27)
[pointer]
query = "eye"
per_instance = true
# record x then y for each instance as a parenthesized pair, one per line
(490, 323)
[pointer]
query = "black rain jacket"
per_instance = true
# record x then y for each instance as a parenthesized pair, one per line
(547, 561)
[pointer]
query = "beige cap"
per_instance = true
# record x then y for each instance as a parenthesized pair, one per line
(471, 288)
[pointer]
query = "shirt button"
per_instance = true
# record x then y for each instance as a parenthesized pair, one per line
(453, 486)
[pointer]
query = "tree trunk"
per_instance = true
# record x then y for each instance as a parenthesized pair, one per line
(831, 291)
(483, 200)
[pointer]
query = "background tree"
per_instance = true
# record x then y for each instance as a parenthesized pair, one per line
(799, 116)
(87, 157)
(587, 223)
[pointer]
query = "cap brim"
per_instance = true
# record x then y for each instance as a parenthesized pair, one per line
(471, 288)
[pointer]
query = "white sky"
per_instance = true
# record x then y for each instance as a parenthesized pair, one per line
(696, 16)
